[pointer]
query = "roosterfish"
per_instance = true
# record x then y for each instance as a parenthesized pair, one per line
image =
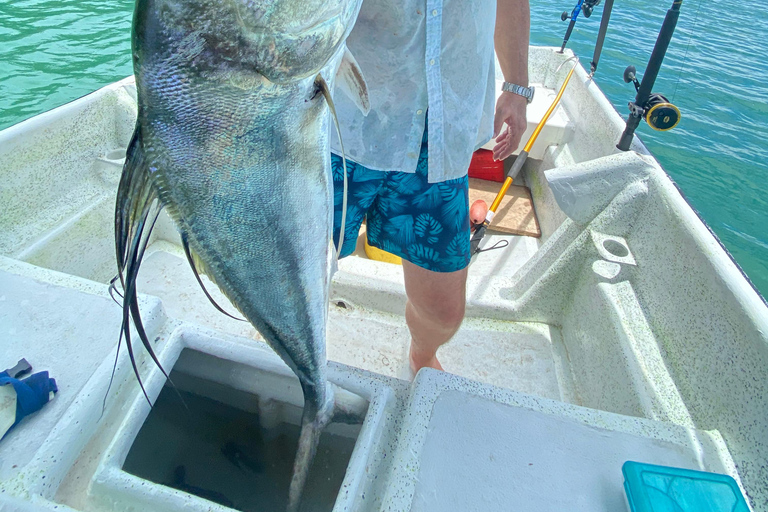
(232, 140)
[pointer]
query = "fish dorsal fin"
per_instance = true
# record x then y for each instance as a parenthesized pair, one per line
(349, 79)
(136, 212)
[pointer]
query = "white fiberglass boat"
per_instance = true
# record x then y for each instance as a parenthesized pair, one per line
(624, 332)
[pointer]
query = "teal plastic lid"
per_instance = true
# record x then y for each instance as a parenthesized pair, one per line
(653, 488)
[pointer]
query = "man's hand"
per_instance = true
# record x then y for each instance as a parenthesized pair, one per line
(510, 109)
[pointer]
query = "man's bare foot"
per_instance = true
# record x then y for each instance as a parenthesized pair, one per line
(419, 361)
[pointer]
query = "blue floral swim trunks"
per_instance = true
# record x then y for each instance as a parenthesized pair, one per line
(424, 223)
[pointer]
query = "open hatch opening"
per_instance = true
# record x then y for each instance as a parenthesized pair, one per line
(235, 447)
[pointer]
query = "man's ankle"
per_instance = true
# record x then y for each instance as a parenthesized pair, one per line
(419, 360)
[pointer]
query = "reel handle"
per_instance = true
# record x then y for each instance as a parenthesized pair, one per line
(630, 76)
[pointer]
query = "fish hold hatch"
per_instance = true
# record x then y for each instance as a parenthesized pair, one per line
(232, 446)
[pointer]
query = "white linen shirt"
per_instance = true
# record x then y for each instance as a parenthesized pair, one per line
(418, 56)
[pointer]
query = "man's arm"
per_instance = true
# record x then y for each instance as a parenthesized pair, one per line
(513, 25)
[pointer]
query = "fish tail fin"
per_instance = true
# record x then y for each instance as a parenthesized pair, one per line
(348, 407)
(337, 405)
(136, 212)
(314, 419)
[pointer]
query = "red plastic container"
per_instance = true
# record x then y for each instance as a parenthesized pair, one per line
(483, 167)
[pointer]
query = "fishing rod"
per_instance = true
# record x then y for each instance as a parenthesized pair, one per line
(474, 243)
(585, 6)
(606, 18)
(655, 108)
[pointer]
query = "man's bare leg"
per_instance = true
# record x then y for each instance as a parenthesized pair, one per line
(434, 311)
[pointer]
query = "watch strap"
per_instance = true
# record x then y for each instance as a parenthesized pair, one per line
(525, 92)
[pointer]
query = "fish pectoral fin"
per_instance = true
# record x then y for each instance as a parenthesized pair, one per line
(323, 87)
(350, 79)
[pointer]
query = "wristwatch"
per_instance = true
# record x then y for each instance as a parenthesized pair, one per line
(525, 92)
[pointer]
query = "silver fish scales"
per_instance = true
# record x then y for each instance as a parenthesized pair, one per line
(232, 139)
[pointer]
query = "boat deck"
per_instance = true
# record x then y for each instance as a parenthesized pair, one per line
(525, 357)
(625, 321)
(399, 460)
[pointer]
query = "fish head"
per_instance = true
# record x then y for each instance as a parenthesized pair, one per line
(283, 40)
(286, 40)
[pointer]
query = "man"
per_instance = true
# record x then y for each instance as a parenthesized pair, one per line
(431, 77)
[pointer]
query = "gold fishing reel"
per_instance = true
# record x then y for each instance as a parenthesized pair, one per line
(658, 112)
(661, 115)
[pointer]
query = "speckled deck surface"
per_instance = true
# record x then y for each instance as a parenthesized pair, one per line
(404, 435)
(490, 447)
(522, 357)
(626, 305)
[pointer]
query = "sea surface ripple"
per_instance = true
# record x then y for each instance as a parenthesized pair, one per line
(718, 154)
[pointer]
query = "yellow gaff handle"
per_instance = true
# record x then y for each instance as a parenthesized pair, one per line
(520, 160)
(551, 109)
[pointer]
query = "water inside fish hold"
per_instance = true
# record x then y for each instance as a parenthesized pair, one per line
(235, 449)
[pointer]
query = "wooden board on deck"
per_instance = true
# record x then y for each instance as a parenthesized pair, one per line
(515, 215)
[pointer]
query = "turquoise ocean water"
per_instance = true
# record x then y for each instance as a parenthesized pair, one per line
(53, 51)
